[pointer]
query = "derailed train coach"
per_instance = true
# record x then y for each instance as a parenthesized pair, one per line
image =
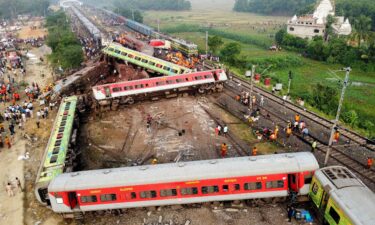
(341, 198)
(268, 176)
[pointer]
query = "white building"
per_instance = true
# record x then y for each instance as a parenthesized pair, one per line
(311, 25)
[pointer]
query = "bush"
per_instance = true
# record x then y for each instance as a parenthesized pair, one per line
(276, 62)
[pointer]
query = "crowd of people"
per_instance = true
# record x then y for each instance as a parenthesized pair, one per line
(90, 47)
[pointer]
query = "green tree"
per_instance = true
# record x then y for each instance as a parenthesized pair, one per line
(324, 98)
(329, 29)
(215, 42)
(279, 36)
(362, 27)
(230, 51)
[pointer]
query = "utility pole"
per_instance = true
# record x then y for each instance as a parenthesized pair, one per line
(348, 69)
(158, 25)
(289, 81)
(206, 42)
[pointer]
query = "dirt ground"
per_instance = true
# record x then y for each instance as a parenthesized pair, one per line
(27, 31)
(181, 130)
(12, 208)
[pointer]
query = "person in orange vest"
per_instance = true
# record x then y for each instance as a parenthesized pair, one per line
(224, 149)
(276, 131)
(336, 136)
(254, 152)
(370, 162)
(297, 117)
(154, 161)
(288, 131)
(238, 98)
(273, 137)
(7, 142)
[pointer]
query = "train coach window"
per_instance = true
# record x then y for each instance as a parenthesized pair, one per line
(335, 216)
(148, 194)
(138, 86)
(166, 68)
(116, 89)
(179, 80)
(237, 187)
(138, 58)
(88, 199)
(124, 53)
(210, 189)
(117, 51)
(275, 184)
(174, 71)
(108, 197)
(189, 191)
(160, 83)
(253, 186)
(111, 49)
(207, 76)
(315, 188)
(144, 60)
(128, 88)
(168, 192)
(133, 195)
(169, 81)
(130, 56)
(151, 63)
(225, 188)
(198, 77)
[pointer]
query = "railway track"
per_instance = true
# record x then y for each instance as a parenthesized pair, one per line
(351, 135)
(338, 156)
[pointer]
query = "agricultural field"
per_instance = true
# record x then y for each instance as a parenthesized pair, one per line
(255, 33)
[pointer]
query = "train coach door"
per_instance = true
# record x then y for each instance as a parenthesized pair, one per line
(107, 92)
(73, 201)
(293, 182)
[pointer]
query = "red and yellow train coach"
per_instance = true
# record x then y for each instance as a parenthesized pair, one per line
(183, 183)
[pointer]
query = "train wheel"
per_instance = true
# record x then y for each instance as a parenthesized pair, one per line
(131, 101)
(201, 90)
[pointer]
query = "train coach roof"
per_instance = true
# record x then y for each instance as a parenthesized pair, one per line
(354, 198)
(186, 171)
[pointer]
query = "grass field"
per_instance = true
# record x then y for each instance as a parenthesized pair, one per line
(217, 14)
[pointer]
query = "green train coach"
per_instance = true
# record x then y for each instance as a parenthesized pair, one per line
(188, 49)
(57, 157)
(341, 198)
(145, 61)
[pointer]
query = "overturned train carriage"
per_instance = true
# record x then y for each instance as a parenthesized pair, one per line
(59, 154)
(129, 91)
(266, 176)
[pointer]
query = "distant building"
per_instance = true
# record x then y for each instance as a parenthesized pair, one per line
(308, 26)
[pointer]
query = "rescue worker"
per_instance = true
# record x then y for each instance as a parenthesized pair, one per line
(273, 137)
(224, 149)
(336, 136)
(276, 132)
(288, 131)
(254, 152)
(370, 162)
(154, 161)
(313, 146)
(297, 117)
(7, 142)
